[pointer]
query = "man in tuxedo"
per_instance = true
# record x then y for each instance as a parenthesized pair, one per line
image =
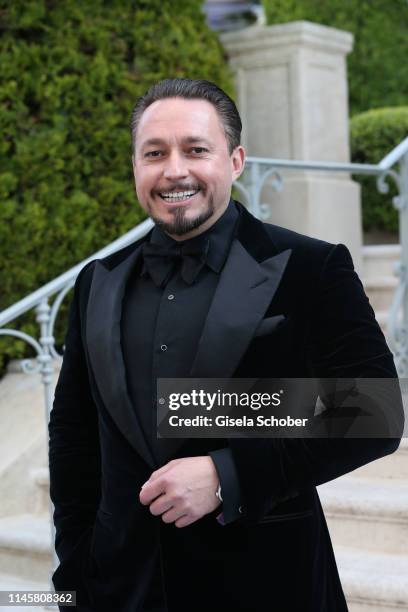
(160, 525)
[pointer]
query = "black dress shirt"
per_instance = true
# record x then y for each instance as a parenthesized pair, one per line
(161, 328)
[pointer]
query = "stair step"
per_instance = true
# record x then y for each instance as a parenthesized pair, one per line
(382, 319)
(371, 514)
(13, 583)
(393, 467)
(41, 502)
(380, 291)
(381, 282)
(380, 259)
(25, 547)
(373, 582)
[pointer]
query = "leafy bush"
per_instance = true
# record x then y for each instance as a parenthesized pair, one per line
(378, 71)
(70, 75)
(373, 135)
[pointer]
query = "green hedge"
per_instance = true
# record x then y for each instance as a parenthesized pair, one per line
(70, 73)
(373, 135)
(377, 67)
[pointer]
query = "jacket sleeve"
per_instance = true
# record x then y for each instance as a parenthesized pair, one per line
(229, 481)
(345, 341)
(74, 456)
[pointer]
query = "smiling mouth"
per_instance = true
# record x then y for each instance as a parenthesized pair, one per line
(172, 197)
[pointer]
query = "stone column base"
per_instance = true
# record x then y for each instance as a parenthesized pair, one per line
(322, 207)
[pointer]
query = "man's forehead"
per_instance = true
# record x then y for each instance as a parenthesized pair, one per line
(193, 118)
(178, 105)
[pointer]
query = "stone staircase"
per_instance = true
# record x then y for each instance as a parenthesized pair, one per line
(367, 510)
(367, 516)
(25, 530)
(25, 555)
(379, 278)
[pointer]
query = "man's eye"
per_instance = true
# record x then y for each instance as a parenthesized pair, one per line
(199, 150)
(153, 153)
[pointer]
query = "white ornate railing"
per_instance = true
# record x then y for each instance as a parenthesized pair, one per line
(258, 172)
(393, 166)
(46, 315)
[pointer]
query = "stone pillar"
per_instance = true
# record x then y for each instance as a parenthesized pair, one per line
(292, 96)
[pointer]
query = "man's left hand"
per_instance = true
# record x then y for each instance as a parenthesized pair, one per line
(182, 491)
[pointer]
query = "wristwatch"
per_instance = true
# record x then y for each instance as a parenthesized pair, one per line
(218, 493)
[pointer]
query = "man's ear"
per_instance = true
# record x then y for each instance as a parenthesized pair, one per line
(134, 168)
(238, 162)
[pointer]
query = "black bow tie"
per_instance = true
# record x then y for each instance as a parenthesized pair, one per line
(160, 260)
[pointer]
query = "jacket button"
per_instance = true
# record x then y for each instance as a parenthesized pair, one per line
(164, 347)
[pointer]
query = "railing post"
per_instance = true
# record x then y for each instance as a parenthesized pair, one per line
(252, 185)
(47, 341)
(43, 311)
(401, 202)
(398, 314)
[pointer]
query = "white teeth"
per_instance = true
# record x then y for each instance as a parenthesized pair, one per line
(178, 195)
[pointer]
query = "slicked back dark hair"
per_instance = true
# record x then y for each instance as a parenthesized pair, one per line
(192, 89)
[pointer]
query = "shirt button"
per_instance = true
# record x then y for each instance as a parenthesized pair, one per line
(170, 297)
(164, 347)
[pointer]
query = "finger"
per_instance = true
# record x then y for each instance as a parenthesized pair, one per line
(184, 521)
(161, 471)
(172, 515)
(150, 491)
(155, 474)
(161, 504)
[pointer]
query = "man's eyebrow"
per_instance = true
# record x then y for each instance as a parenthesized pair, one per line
(193, 139)
(188, 140)
(153, 141)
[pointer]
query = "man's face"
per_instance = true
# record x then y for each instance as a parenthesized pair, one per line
(182, 167)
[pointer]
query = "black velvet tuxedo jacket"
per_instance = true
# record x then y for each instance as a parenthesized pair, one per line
(285, 305)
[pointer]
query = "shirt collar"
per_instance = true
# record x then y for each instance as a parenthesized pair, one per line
(220, 235)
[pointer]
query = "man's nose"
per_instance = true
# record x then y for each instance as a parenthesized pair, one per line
(176, 166)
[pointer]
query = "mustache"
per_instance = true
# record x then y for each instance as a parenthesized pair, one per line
(181, 187)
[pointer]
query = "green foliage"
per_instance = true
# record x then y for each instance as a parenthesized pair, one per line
(378, 77)
(373, 135)
(70, 74)
(377, 67)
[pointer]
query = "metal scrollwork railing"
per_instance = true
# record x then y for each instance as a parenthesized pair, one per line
(46, 355)
(46, 315)
(394, 167)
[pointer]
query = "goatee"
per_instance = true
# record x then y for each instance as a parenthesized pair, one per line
(181, 225)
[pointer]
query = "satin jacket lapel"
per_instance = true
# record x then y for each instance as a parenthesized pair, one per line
(244, 292)
(105, 352)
